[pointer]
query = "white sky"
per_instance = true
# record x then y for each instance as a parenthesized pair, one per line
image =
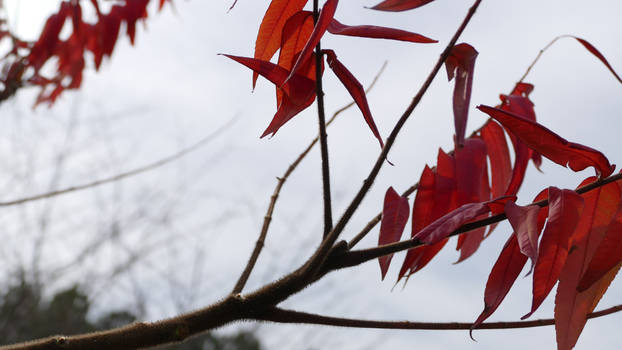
(177, 89)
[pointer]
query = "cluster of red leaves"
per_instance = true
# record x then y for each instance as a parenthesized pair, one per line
(25, 63)
(292, 31)
(581, 245)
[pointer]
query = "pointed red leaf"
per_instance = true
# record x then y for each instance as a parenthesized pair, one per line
(355, 89)
(565, 207)
(376, 32)
(394, 218)
(559, 150)
(271, 28)
(450, 222)
(598, 55)
(460, 64)
(323, 21)
(524, 221)
(607, 255)
(572, 306)
(400, 5)
(299, 91)
(508, 266)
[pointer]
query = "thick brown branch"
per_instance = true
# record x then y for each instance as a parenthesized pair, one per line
(288, 316)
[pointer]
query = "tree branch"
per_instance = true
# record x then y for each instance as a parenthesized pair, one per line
(277, 190)
(278, 315)
(121, 176)
(328, 211)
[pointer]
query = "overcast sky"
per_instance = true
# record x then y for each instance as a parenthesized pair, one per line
(175, 89)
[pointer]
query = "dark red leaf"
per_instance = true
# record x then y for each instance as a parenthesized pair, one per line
(450, 222)
(367, 31)
(132, 12)
(271, 28)
(394, 218)
(499, 157)
(324, 19)
(551, 145)
(598, 55)
(460, 64)
(400, 5)
(355, 89)
(471, 177)
(565, 207)
(572, 306)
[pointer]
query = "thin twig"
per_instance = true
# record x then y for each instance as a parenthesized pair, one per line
(239, 285)
(127, 174)
(328, 211)
(317, 260)
(538, 57)
(289, 316)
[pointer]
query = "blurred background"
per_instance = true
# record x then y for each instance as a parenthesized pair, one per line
(176, 238)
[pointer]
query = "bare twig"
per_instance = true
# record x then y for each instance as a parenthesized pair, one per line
(127, 174)
(275, 195)
(289, 316)
(533, 63)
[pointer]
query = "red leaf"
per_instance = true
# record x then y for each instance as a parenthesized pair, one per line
(607, 255)
(132, 12)
(450, 222)
(296, 32)
(519, 104)
(524, 221)
(461, 63)
(323, 21)
(376, 32)
(271, 28)
(508, 266)
(299, 91)
(43, 49)
(551, 145)
(355, 89)
(394, 218)
(471, 176)
(598, 55)
(400, 5)
(571, 306)
(565, 207)
(499, 156)
(436, 196)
